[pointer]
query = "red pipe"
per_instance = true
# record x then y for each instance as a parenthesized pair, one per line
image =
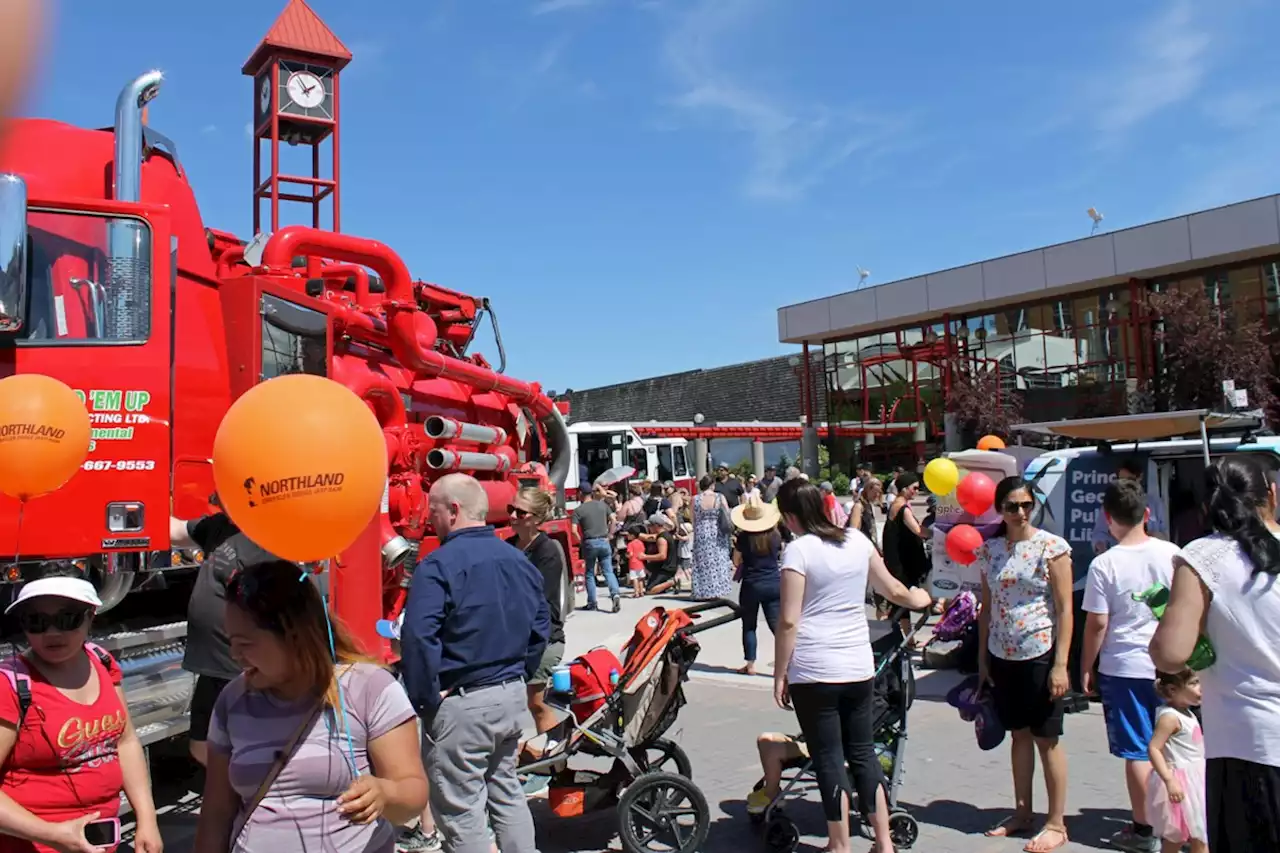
(374, 388)
(234, 255)
(361, 276)
(411, 333)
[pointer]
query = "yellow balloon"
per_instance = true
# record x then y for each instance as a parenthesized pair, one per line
(941, 476)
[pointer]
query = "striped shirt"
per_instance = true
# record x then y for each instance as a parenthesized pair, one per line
(300, 812)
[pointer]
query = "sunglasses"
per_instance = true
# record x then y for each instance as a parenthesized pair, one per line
(517, 512)
(63, 620)
(1015, 506)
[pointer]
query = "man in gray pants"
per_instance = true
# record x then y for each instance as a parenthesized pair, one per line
(476, 623)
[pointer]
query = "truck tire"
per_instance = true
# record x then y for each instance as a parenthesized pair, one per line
(568, 600)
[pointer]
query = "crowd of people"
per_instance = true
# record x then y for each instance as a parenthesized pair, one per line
(308, 743)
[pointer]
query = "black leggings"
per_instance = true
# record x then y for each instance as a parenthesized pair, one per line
(836, 722)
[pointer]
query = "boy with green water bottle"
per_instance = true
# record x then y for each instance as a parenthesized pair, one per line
(1117, 631)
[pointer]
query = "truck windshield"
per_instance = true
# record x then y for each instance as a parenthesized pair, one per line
(90, 278)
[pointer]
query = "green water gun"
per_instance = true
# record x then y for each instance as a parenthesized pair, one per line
(1157, 598)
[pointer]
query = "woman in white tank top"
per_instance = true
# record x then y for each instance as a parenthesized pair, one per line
(1225, 586)
(823, 661)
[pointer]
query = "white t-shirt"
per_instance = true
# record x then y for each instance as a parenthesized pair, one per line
(1114, 578)
(833, 644)
(1241, 704)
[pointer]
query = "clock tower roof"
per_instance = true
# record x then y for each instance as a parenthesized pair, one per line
(299, 30)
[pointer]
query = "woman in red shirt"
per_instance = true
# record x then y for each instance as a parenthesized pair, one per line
(67, 747)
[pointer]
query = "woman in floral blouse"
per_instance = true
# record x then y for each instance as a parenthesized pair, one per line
(1025, 638)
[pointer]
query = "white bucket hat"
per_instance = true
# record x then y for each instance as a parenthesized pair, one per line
(72, 589)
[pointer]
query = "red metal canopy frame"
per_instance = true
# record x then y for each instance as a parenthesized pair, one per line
(766, 431)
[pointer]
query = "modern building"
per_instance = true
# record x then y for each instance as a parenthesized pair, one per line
(1065, 329)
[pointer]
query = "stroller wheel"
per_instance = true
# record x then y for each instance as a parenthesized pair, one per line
(663, 811)
(903, 829)
(781, 835)
(665, 756)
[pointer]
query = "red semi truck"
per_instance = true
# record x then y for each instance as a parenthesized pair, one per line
(111, 282)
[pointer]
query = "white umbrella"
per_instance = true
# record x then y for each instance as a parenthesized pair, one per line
(615, 475)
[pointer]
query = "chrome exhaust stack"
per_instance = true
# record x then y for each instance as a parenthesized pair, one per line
(128, 130)
(126, 292)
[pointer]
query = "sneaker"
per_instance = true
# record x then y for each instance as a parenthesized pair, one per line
(591, 606)
(416, 841)
(758, 801)
(1127, 839)
(617, 604)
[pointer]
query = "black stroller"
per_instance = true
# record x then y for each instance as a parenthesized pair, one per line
(895, 690)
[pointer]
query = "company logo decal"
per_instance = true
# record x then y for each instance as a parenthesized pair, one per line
(288, 488)
(39, 432)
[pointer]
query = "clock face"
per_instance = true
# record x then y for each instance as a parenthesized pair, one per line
(305, 90)
(264, 94)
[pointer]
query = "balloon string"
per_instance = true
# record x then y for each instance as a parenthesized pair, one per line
(17, 542)
(342, 693)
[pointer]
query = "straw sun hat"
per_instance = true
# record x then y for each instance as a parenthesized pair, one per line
(754, 515)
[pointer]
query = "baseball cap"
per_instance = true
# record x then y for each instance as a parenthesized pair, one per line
(659, 520)
(72, 589)
(389, 628)
(987, 728)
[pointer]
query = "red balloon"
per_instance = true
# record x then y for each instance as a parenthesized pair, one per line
(976, 493)
(963, 542)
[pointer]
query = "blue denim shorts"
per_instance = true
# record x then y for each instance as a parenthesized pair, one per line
(1129, 707)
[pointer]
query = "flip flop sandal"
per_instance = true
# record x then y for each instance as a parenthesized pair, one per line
(1032, 845)
(1010, 828)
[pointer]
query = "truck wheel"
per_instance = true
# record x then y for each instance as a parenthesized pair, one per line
(568, 600)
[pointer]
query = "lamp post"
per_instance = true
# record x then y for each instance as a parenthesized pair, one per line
(699, 449)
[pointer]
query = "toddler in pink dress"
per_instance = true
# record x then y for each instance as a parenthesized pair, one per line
(1175, 790)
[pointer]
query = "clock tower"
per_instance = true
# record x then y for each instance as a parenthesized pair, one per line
(295, 101)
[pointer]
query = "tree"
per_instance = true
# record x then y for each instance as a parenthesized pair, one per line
(978, 402)
(1200, 346)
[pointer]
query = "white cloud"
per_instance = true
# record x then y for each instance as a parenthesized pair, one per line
(792, 146)
(248, 129)
(209, 128)
(1165, 65)
(549, 7)
(550, 56)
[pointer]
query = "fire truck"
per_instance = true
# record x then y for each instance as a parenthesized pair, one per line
(111, 282)
(600, 446)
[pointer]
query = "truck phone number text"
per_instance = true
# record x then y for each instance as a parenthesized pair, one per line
(119, 465)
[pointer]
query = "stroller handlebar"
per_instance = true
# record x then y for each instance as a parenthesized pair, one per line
(734, 614)
(921, 620)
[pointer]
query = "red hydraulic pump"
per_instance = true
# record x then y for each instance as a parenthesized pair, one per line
(111, 282)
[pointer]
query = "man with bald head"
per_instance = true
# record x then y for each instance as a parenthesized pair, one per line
(476, 623)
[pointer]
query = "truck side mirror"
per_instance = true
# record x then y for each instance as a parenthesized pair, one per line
(13, 253)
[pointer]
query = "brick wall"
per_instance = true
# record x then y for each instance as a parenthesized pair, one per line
(766, 390)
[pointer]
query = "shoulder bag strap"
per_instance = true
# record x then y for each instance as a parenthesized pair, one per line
(282, 759)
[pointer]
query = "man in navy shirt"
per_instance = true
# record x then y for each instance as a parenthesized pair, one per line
(476, 624)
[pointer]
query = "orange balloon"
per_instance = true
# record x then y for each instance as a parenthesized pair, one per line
(300, 464)
(991, 442)
(44, 434)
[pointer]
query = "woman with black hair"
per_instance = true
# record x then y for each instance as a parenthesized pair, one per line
(1224, 586)
(823, 661)
(904, 538)
(1024, 640)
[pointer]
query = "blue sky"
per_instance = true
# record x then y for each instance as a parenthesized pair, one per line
(639, 184)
